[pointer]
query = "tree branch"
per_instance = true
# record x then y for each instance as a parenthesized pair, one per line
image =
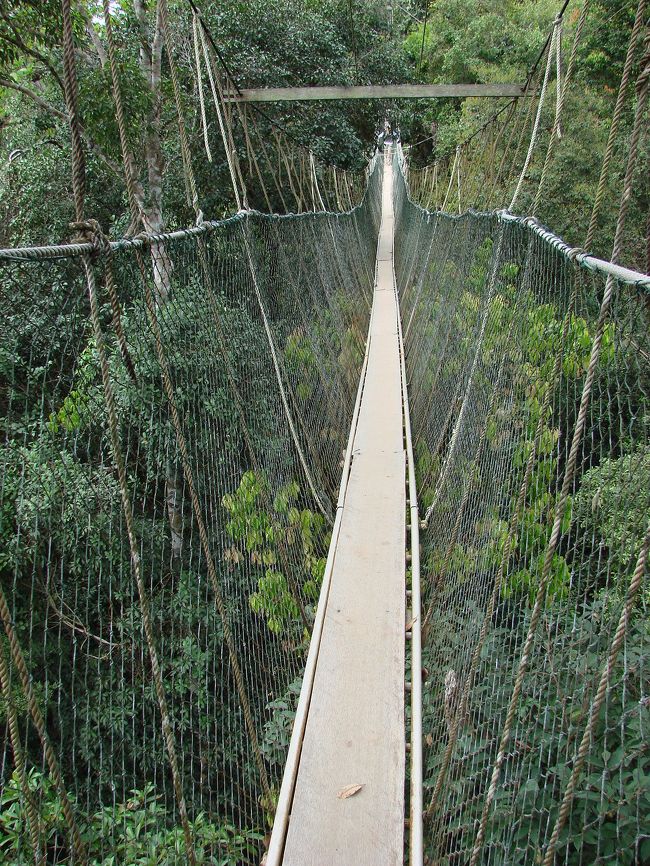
(31, 94)
(61, 115)
(18, 42)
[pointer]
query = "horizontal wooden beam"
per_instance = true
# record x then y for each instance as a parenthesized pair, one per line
(375, 91)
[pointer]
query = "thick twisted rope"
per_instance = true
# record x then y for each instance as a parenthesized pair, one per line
(109, 399)
(33, 818)
(639, 119)
(41, 729)
(637, 27)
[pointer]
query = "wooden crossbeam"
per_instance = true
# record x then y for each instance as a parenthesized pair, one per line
(376, 91)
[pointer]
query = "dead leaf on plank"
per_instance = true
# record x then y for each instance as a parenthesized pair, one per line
(349, 791)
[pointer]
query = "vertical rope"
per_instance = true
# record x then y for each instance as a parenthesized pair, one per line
(639, 23)
(188, 171)
(562, 93)
(212, 78)
(33, 819)
(199, 83)
(109, 399)
(540, 105)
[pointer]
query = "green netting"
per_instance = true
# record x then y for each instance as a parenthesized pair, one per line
(266, 495)
(499, 326)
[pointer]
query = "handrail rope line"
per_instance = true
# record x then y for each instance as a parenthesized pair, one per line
(642, 94)
(577, 255)
(78, 249)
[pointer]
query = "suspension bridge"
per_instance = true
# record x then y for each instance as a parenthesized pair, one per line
(325, 534)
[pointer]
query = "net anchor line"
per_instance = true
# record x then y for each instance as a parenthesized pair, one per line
(542, 96)
(492, 281)
(278, 375)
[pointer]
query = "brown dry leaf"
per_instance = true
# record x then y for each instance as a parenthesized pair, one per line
(349, 791)
(409, 625)
(428, 740)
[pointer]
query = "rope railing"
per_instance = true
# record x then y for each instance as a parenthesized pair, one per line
(194, 483)
(534, 552)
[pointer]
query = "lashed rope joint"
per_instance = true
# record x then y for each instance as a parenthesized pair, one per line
(89, 231)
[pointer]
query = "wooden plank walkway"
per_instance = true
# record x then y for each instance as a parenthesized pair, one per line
(355, 731)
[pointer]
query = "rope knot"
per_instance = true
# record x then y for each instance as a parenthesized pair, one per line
(90, 232)
(574, 252)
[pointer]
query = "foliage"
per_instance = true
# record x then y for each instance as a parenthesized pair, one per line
(136, 832)
(277, 731)
(273, 536)
(612, 792)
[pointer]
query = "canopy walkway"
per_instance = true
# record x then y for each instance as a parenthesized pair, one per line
(355, 728)
(325, 535)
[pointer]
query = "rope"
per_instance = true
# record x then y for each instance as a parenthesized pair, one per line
(603, 686)
(642, 96)
(616, 119)
(542, 96)
(561, 96)
(33, 820)
(78, 173)
(127, 156)
(451, 177)
(278, 376)
(39, 723)
(216, 94)
(199, 80)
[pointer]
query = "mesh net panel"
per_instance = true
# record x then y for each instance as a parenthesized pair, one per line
(265, 461)
(499, 327)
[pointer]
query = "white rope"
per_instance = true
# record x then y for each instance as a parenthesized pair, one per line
(215, 98)
(199, 82)
(314, 176)
(278, 376)
(451, 178)
(558, 80)
(542, 96)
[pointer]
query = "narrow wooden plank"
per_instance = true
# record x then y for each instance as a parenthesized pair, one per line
(355, 727)
(376, 91)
